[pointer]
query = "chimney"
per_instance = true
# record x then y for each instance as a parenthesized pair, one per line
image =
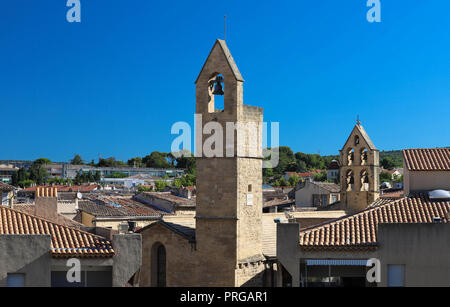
(46, 203)
(123, 228)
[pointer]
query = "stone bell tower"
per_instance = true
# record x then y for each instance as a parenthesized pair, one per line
(229, 177)
(360, 171)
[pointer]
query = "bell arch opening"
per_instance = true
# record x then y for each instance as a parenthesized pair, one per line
(216, 91)
(350, 156)
(364, 156)
(364, 181)
(349, 180)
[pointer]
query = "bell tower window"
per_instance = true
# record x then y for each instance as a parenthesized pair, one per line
(350, 180)
(350, 156)
(217, 92)
(364, 181)
(363, 155)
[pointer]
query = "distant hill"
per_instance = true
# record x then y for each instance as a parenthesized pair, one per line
(395, 155)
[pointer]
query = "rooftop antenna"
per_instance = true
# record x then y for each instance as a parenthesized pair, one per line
(225, 27)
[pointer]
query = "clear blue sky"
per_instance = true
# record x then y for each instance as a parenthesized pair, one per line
(115, 83)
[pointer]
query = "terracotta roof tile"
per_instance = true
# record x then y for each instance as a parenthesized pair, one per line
(360, 230)
(428, 159)
(4, 187)
(185, 228)
(30, 209)
(66, 188)
(118, 206)
(65, 241)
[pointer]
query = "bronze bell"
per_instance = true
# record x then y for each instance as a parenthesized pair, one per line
(218, 89)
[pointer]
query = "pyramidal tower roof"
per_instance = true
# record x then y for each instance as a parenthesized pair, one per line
(227, 54)
(365, 136)
(358, 127)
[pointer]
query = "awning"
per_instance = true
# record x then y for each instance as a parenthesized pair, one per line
(336, 262)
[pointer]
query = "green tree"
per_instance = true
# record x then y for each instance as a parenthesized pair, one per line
(26, 183)
(385, 177)
(286, 160)
(142, 188)
(283, 182)
(76, 160)
(320, 176)
(387, 163)
(42, 161)
(171, 158)
(160, 185)
(294, 180)
(135, 162)
(267, 172)
(97, 176)
(156, 160)
(38, 173)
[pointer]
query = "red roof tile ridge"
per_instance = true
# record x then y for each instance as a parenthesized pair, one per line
(350, 216)
(52, 222)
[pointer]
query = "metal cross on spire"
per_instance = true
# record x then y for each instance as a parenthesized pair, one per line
(358, 122)
(224, 27)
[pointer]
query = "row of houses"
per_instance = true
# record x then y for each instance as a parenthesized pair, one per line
(407, 235)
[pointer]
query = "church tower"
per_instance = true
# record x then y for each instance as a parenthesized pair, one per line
(360, 171)
(229, 177)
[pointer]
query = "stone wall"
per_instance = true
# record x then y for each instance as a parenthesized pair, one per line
(181, 265)
(422, 249)
(26, 254)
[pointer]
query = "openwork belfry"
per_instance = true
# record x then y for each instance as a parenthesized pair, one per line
(217, 84)
(360, 170)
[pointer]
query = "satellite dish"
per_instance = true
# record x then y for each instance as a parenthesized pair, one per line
(79, 195)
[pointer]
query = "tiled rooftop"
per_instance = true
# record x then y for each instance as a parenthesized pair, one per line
(30, 209)
(393, 194)
(180, 201)
(185, 227)
(330, 187)
(66, 188)
(117, 206)
(360, 230)
(431, 159)
(65, 241)
(5, 187)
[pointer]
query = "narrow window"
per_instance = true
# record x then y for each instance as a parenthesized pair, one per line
(161, 266)
(396, 275)
(15, 280)
(249, 187)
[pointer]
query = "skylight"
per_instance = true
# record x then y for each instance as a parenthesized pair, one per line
(439, 194)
